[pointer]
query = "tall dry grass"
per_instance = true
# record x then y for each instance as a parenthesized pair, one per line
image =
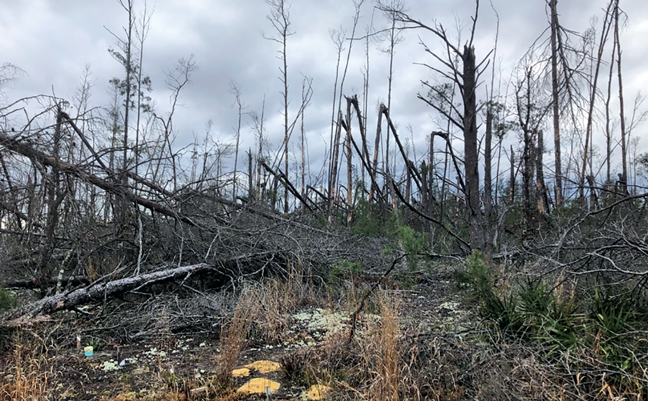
(30, 374)
(233, 337)
(278, 299)
(387, 342)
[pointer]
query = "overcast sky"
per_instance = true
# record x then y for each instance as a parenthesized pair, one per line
(52, 41)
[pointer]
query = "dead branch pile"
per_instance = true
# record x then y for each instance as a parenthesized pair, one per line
(70, 214)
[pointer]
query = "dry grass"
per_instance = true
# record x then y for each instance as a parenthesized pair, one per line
(377, 374)
(233, 336)
(387, 341)
(278, 299)
(31, 376)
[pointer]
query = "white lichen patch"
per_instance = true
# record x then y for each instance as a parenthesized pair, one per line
(154, 352)
(450, 305)
(109, 366)
(452, 317)
(320, 320)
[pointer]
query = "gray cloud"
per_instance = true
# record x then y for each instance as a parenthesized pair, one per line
(52, 40)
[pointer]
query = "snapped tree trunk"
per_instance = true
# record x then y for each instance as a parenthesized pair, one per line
(471, 155)
(488, 184)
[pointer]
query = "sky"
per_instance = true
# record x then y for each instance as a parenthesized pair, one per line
(53, 41)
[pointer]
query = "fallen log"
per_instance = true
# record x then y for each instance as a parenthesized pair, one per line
(98, 292)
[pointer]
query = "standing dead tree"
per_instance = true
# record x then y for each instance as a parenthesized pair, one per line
(280, 19)
(465, 74)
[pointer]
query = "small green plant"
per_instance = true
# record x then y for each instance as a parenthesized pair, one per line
(172, 381)
(558, 327)
(479, 274)
(406, 281)
(612, 313)
(535, 298)
(406, 239)
(345, 269)
(413, 242)
(7, 300)
(503, 310)
(96, 343)
(500, 309)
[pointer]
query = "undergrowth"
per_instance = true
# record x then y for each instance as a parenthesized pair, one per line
(603, 329)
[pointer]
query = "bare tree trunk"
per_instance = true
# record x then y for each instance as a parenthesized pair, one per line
(392, 44)
(365, 102)
(303, 161)
(54, 199)
(593, 92)
(374, 167)
(624, 151)
(608, 130)
(364, 154)
(129, 70)
(334, 164)
(280, 19)
(429, 188)
(251, 192)
(488, 179)
(338, 40)
(236, 90)
(528, 189)
(543, 201)
(555, 101)
(471, 153)
(336, 142)
(349, 157)
(142, 32)
(259, 127)
(511, 198)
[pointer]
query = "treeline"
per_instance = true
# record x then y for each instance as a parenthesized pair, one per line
(88, 192)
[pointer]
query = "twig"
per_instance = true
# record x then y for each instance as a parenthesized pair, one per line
(354, 316)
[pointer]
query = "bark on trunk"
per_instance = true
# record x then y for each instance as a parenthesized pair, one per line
(471, 153)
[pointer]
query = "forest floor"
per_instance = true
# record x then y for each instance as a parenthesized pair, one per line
(308, 355)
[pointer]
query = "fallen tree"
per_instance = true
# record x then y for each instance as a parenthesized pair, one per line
(101, 291)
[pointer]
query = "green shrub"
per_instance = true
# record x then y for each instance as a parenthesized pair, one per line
(369, 220)
(7, 300)
(345, 269)
(535, 298)
(613, 316)
(413, 242)
(559, 328)
(406, 239)
(479, 274)
(612, 313)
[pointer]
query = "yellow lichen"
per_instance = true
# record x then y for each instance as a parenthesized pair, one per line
(258, 386)
(242, 372)
(264, 366)
(317, 392)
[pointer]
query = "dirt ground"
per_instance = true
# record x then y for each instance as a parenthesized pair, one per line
(183, 365)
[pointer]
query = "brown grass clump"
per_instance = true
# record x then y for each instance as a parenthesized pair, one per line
(378, 371)
(234, 335)
(277, 300)
(387, 341)
(31, 376)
